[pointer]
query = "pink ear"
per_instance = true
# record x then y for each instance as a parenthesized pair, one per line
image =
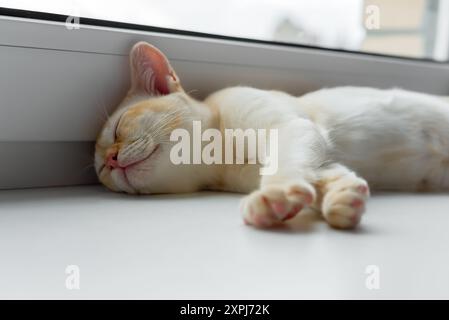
(151, 72)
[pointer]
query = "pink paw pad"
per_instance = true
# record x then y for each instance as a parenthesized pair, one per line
(357, 203)
(363, 189)
(293, 212)
(278, 208)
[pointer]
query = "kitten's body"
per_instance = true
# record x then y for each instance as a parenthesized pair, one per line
(395, 139)
(328, 140)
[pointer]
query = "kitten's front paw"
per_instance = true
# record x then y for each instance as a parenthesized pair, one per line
(274, 204)
(344, 202)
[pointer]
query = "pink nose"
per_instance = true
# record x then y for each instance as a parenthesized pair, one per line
(111, 161)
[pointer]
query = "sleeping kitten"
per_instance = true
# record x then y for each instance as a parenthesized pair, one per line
(332, 144)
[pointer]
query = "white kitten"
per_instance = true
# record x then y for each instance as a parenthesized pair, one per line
(328, 141)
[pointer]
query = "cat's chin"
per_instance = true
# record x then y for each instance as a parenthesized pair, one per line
(121, 180)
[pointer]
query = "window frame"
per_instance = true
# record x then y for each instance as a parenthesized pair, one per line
(53, 17)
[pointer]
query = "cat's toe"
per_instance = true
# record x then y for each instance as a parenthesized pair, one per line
(274, 204)
(301, 193)
(258, 211)
(343, 217)
(344, 209)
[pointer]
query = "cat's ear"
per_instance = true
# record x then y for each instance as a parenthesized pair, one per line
(151, 72)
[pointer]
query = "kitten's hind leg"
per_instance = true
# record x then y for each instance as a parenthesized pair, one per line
(343, 195)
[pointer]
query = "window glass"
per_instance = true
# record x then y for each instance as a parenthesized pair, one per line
(407, 28)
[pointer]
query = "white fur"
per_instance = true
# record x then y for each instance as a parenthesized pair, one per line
(395, 139)
(333, 143)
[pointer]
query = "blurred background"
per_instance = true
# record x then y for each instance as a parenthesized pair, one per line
(406, 28)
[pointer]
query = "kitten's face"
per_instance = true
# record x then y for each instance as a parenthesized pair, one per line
(132, 153)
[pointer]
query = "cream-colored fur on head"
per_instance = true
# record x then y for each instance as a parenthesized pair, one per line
(135, 139)
(333, 143)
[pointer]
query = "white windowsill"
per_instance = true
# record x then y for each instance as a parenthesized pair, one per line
(196, 246)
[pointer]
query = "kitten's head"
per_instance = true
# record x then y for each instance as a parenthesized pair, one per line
(132, 153)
